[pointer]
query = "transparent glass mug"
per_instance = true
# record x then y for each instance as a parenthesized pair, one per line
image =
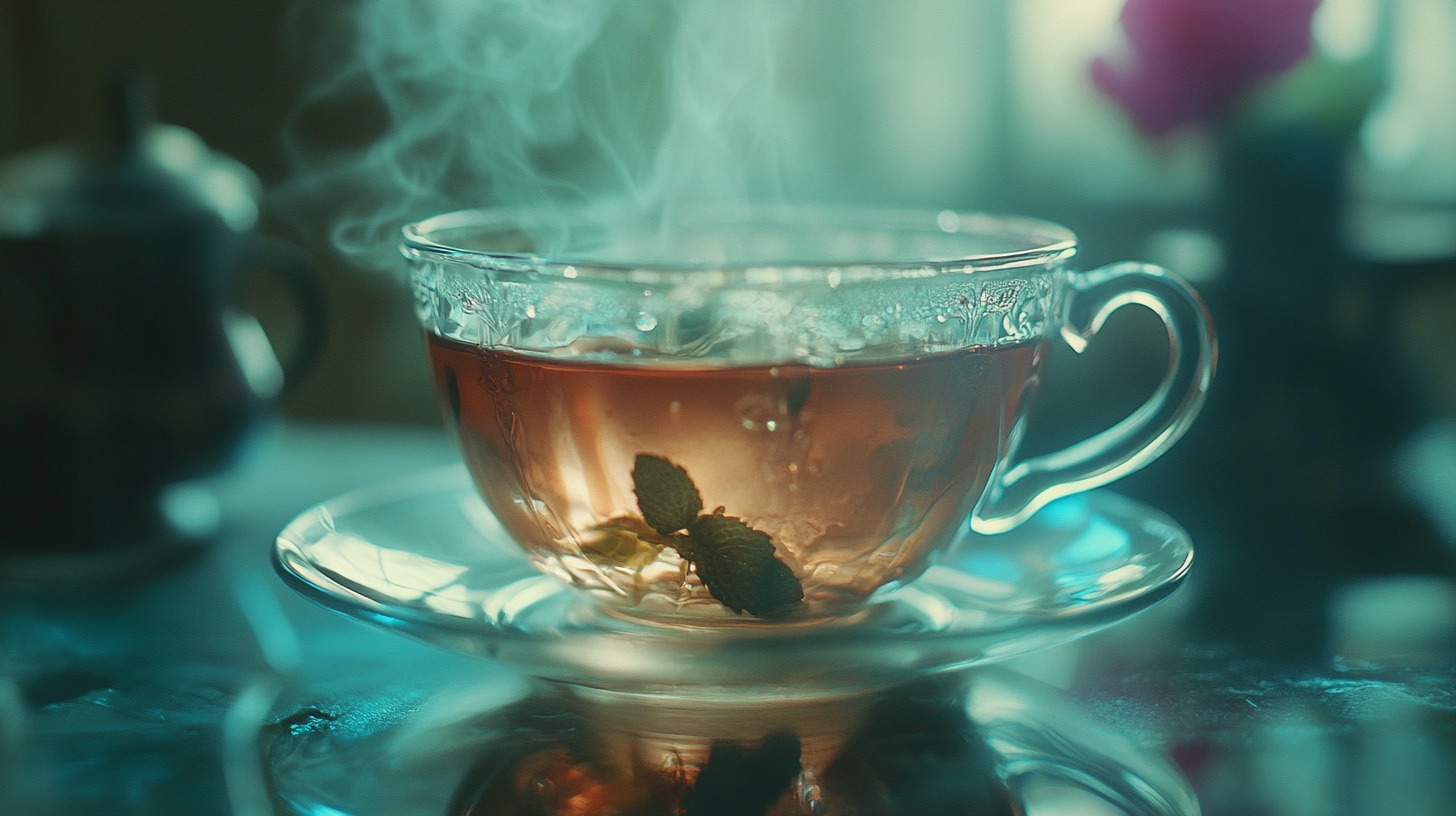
(775, 413)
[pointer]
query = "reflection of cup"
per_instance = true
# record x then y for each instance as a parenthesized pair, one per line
(911, 749)
(659, 415)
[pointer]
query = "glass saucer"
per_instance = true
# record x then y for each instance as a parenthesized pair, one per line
(424, 557)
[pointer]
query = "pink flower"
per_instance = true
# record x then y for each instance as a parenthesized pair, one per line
(1190, 61)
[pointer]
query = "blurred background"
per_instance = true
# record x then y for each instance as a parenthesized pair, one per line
(952, 103)
(979, 104)
(1295, 160)
(1302, 175)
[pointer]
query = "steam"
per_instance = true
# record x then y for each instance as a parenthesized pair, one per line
(649, 106)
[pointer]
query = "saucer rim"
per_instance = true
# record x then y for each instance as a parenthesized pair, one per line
(493, 639)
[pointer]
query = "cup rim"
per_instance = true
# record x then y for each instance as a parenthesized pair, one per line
(1042, 244)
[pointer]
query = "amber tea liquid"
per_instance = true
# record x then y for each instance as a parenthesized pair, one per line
(856, 472)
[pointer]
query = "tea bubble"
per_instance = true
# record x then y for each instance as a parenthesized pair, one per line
(759, 412)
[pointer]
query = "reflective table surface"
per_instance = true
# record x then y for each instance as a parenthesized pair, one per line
(202, 685)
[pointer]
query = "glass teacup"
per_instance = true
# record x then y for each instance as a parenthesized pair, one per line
(771, 414)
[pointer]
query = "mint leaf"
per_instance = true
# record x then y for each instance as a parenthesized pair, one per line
(736, 563)
(738, 566)
(667, 497)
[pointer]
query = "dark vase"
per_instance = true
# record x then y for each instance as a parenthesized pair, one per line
(1294, 492)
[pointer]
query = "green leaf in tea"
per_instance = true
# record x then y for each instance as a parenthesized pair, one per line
(798, 398)
(738, 566)
(736, 563)
(624, 541)
(667, 497)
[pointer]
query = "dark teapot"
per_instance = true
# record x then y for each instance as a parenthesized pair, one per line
(124, 368)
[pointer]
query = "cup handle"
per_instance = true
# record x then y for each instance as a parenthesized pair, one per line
(1021, 489)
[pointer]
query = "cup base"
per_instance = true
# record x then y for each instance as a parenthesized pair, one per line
(698, 616)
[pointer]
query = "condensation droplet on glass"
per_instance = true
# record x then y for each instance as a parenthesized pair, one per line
(940, 318)
(771, 425)
(833, 278)
(646, 321)
(568, 272)
(531, 310)
(948, 221)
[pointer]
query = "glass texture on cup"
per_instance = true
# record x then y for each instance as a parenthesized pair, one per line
(819, 287)
(846, 383)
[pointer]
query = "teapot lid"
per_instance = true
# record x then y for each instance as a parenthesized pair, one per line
(141, 170)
